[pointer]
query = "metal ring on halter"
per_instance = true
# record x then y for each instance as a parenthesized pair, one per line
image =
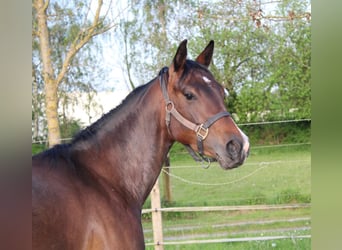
(169, 106)
(207, 160)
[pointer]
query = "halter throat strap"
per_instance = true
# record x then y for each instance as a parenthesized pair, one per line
(201, 130)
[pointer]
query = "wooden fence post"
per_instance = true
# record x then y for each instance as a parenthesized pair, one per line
(157, 217)
(167, 180)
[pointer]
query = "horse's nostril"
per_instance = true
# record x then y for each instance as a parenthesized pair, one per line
(234, 149)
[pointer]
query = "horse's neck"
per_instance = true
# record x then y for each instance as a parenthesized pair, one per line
(130, 147)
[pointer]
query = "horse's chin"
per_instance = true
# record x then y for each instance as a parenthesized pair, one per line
(226, 163)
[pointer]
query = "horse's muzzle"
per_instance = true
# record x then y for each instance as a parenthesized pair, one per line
(235, 154)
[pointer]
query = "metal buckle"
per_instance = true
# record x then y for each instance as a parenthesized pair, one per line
(169, 106)
(202, 132)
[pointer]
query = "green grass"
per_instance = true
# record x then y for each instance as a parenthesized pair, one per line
(271, 175)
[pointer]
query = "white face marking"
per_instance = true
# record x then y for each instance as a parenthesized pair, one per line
(226, 92)
(206, 79)
(245, 141)
(245, 146)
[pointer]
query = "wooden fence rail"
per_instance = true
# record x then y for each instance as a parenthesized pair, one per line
(227, 208)
(244, 239)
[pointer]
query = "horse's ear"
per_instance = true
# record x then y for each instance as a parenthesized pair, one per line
(206, 55)
(180, 57)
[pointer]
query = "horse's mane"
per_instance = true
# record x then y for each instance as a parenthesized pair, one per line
(92, 129)
(62, 151)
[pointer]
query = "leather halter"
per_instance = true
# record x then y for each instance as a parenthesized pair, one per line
(201, 130)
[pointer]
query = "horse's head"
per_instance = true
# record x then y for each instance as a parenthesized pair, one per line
(195, 111)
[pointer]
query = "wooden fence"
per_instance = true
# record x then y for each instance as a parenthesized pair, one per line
(157, 210)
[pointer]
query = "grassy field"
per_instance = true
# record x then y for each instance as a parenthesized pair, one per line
(271, 175)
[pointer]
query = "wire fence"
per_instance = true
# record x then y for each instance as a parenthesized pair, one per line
(274, 122)
(261, 165)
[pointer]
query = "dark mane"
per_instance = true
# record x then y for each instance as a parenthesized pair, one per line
(92, 129)
(57, 153)
(62, 151)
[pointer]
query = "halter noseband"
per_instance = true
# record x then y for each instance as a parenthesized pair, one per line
(201, 130)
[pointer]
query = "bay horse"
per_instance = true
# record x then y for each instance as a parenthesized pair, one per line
(88, 194)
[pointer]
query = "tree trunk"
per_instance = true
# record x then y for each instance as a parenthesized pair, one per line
(52, 77)
(51, 100)
(35, 106)
(51, 109)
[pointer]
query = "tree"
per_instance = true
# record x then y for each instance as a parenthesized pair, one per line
(145, 43)
(80, 28)
(281, 88)
(261, 57)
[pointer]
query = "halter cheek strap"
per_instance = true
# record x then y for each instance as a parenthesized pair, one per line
(201, 130)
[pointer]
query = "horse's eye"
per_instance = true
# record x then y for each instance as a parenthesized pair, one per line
(188, 96)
